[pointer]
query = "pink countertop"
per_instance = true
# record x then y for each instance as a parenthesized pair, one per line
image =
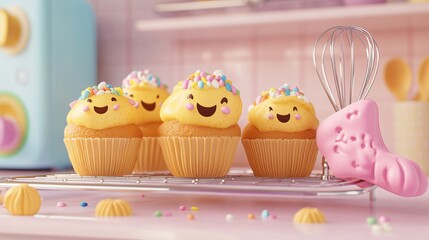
(346, 217)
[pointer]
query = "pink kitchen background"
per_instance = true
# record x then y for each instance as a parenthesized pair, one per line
(254, 57)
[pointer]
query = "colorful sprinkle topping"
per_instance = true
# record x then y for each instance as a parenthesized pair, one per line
(193, 208)
(84, 204)
(383, 219)
(251, 216)
(182, 208)
(200, 80)
(282, 91)
(191, 216)
(100, 89)
(142, 79)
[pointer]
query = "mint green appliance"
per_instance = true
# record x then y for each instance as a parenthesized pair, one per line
(47, 56)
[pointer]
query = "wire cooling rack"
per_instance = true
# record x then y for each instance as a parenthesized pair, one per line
(237, 182)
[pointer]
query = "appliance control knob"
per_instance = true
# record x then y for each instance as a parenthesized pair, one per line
(10, 30)
(14, 30)
(13, 124)
(10, 135)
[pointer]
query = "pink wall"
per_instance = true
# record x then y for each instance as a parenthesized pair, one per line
(254, 61)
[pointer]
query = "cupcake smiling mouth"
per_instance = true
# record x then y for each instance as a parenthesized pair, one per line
(283, 118)
(206, 111)
(101, 110)
(148, 106)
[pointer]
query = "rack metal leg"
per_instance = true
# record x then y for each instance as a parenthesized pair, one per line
(325, 170)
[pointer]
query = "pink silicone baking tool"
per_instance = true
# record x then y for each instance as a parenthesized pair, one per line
(346, 59)
(351, 142)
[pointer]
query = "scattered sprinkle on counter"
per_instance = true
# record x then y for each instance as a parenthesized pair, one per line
(251, 216)
(371, 220)
(157, 213)
(168, 214)
(229, 217)
(265, 214)
(84, 204)
(61, 204)
(191, 216)
(383, 219)
(273, 217)
(380, 226)
(193, 208)
(182, 208)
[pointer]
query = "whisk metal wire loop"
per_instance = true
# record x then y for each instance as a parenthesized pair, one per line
(338, 41)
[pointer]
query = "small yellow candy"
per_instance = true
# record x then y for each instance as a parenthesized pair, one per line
(193, 208)
(119, 90)
(250, 216)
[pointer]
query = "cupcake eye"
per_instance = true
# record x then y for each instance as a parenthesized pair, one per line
(224, 100)
(157, 96)
(190, 96)
(131, 95)
(295, 108)
(113, 99)
(89, 100)
(270, 108)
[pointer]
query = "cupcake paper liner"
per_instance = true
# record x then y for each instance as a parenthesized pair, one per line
(281, 158)
(103, 156)
(199, 156)
(150, 156)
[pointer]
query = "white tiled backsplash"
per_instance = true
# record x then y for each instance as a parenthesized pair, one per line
(254, 62)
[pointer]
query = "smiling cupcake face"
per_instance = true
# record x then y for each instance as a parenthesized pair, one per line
(102, 107)
(148, 91)
(202, 100)
(287, 111)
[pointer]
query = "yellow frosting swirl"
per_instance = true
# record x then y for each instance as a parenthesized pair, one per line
(284, 109)
(113, 208)
(203, 100)
(149, 92)
(309, 215)
(103, 107)
(22, 200)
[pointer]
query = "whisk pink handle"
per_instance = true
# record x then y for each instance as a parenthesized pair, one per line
(351, 142)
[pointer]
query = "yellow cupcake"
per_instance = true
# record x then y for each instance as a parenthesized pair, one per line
(199, 134)
(207, 106)
(150, 93)
(22, 200)
(280, 137)
(113, 208)
(101, 137)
